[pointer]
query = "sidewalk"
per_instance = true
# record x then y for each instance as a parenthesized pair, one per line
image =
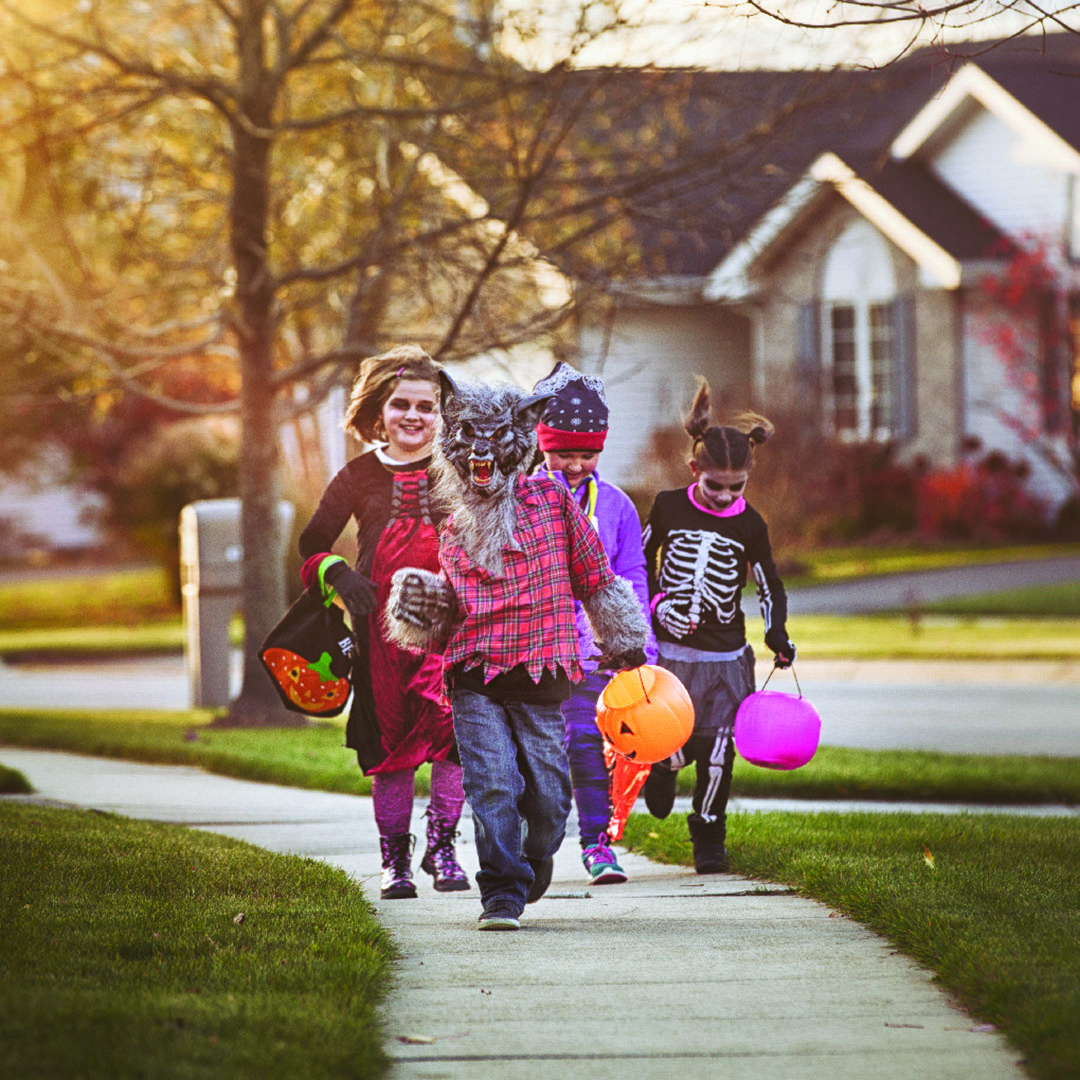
(669, 975)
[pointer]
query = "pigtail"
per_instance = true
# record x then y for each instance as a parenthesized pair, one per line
(756, 428)
(697, 421)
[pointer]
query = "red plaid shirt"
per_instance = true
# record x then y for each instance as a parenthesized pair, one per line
(527, 615)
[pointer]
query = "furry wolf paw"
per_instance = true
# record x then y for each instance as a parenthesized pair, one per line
(419, 598)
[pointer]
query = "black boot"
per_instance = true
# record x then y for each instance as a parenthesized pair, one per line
(710, 855)
(397, 882)
(439, 859)
(659, 790)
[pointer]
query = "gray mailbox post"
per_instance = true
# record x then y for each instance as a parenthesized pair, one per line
(211, 557)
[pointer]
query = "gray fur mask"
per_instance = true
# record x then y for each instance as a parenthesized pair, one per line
(487, 439)
(488, 434)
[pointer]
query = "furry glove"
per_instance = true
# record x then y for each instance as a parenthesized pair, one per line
(419, 611)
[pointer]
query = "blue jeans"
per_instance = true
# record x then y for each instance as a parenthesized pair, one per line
(517, 783)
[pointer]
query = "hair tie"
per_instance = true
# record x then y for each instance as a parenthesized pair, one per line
(401, 371)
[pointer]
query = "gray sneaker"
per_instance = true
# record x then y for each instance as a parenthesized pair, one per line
(499, 915)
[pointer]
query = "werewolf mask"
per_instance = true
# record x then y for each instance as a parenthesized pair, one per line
(487, 440)
(488, 435)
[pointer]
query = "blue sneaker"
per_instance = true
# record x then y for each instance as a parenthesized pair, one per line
(600, 861)
(500, 914)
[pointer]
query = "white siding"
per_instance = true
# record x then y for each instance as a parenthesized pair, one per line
(48, 517)
(654, 355)
(1006, 176)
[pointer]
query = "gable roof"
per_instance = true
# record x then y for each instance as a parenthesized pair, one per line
(755, 135)
(895, 191)
(1041, 73)
(973, 88)
(903, 200)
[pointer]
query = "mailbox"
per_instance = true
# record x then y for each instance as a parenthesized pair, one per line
(211, 560)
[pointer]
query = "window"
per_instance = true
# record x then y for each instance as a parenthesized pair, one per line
(860, 337)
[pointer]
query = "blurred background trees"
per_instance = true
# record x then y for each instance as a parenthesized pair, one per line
(216, 208)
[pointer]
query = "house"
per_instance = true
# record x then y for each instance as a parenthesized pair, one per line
(42, 515)
(897, 263)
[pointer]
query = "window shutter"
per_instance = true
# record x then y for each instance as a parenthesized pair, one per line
(904, 423)
(808, 363)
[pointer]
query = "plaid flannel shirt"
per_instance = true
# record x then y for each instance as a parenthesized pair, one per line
(527, 615)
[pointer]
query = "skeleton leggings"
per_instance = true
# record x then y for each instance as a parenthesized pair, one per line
(714, 758)
(717, 688)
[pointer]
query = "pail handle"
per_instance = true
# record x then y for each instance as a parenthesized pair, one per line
(776, 667)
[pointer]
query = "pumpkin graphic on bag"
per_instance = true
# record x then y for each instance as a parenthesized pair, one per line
(313, 687)
(309, 657)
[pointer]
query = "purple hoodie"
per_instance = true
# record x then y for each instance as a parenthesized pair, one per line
(619, 528)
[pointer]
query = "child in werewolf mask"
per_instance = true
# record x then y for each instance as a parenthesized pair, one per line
(515, 553)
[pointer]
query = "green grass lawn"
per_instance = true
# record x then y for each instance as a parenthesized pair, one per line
(137, 949)
(1062, 600)
(934, 637)
(995, 916)
(86, 642)
(315, 757)
(842, 563)
(121, 597)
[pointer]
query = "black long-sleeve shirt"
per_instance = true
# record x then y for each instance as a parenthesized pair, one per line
(362, 490)
(698, 563)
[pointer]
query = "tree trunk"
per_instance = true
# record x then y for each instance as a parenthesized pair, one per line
(263, 585)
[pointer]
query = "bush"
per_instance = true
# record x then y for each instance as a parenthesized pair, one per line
(985, 499)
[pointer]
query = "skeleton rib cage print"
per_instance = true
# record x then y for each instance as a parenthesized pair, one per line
(698, 565)
(700, 575)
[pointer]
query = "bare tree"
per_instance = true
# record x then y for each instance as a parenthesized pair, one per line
(890, 29)
(258, 193)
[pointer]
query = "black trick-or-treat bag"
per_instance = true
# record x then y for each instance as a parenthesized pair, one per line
(309, 656)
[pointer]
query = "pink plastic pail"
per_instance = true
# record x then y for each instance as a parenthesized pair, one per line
(776, 730)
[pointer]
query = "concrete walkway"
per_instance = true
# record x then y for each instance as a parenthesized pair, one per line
(668, 975)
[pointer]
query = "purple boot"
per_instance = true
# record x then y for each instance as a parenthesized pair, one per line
(439, 859)
(397, 882)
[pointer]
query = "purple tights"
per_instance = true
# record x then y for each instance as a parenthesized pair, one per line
(585, 751)
(392, 796)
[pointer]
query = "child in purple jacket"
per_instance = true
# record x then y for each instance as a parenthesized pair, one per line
(571, 436)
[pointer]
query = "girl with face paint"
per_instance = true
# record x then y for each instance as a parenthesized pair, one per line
(701, 545)
(398, 719)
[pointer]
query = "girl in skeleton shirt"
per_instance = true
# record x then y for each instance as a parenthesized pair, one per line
(701, 543)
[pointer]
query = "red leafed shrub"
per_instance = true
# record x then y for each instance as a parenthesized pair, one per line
(980, 500)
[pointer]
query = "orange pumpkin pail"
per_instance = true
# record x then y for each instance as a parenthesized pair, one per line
(645, 713)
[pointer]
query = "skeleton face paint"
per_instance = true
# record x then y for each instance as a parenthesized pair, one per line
(717, 489)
